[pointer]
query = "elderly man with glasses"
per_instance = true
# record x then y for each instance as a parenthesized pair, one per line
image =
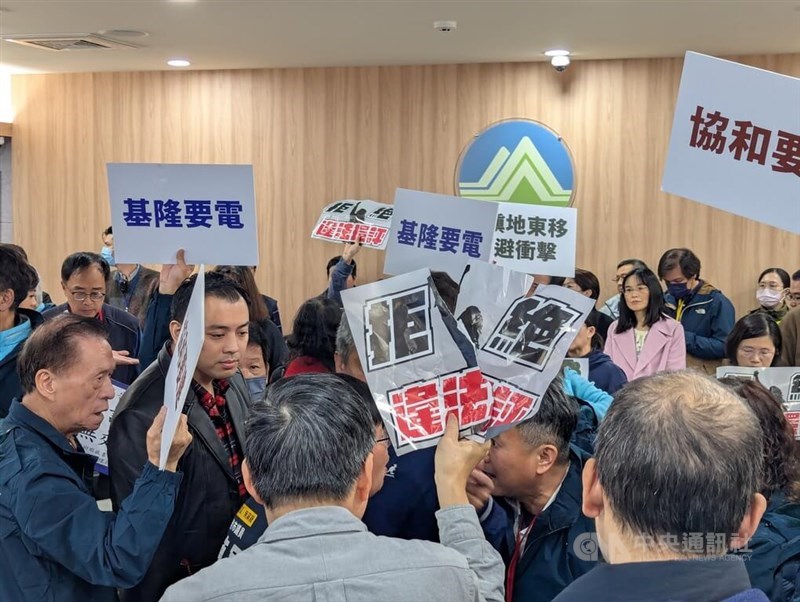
(84, 277)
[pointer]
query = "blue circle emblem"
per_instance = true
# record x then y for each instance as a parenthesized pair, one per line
(517, 161)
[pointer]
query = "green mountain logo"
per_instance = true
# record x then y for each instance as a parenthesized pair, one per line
(519, 177)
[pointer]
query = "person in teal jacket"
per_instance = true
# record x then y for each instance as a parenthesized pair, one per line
(55, 544)
(776, 542)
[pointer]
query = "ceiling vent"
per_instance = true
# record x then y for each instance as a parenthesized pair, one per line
(60, 43)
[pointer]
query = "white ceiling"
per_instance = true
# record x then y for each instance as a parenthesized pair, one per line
(230, 34)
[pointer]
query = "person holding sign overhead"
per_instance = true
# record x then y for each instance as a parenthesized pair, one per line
(56, 544)
(84, 278)
(643, 340)
(216, 406)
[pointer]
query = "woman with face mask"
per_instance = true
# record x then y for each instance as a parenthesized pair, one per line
(773, 286)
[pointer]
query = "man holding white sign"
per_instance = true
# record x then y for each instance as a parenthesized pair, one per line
(56, 543)
(216, 406)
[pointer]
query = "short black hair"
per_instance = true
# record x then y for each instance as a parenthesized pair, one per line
(655, 304)
(557, 280)
(757, 324)
(554, 422)
(781, 273)
(217, 285)
(681, 258)
(334, 260)
(637, 263)
(18, 249)
(679, 453)
(53, 346)
(593, 320)
(77, 262)
(447, 288)
(587, 281)
(16, 274)
(258, 337)
(308, 440)
(109, 230)
(796, 275)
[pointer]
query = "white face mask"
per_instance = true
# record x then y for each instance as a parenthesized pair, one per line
(768, 298)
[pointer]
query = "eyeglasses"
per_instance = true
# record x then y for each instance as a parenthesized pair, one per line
(95, 296)
(385, 441)
(619, 277)
(793, 297)
(629, 290)
(770, 285)
(752, 352)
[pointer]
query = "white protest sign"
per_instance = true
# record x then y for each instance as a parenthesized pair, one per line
(783, 383)
(352, 221)
(183, 362)
(735, 142)
(536, 239)
(94, 442)
(439, 232)
(207, 210)
(521, 341)
(419, 366)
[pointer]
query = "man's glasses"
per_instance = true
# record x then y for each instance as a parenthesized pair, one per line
(95, 296)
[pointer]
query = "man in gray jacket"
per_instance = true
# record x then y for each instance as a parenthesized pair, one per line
(309, 462)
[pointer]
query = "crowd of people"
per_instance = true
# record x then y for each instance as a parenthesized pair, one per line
(646, 479)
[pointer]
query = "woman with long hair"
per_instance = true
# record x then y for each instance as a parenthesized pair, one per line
(644, 340)
(312, 343)
(754, 342)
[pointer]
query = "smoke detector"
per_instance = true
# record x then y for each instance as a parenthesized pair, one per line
(445, 26)
(61, 42)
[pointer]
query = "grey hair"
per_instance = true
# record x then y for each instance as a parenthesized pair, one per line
(679, 453)
(308, 440)
(345, 345)
(554, 422)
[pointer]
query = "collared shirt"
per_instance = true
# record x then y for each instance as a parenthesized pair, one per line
(217, 410)
(326, 553)
(686, 580)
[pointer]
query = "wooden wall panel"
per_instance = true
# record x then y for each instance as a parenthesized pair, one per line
(318, 135)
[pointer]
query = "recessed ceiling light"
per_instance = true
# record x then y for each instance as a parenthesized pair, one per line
(178, 63)
(124, 33)
(557, 53)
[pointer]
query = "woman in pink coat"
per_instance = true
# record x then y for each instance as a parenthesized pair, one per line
(643, 340)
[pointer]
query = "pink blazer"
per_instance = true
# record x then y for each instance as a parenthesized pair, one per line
(664, 349)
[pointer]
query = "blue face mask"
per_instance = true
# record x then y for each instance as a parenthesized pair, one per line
(257, 386)
(679, 290)
(107, 253)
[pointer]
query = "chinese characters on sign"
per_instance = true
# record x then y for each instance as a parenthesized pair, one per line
(207, 210)
(352, 221)
(735, 141)
(747, 141)
(94, 442)
(188, 214)
(443, 239)
(536, 239)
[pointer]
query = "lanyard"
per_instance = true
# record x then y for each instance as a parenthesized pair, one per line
(679, 310)
(519, 549)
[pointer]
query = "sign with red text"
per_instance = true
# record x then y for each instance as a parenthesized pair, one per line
(735, 142)
(521, 341)
(367, 222)
(419, 366)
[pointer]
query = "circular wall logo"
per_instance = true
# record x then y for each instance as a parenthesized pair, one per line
(517, 161)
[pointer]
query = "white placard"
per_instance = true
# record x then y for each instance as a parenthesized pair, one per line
(94, 442)
(536, 239)
(184, 361)
(207, 210)
(438, 232)
(735, 142)
(351, 221)
(413, 357)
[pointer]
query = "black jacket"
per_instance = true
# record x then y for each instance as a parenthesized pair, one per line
(123, 335)
(209, 495)
(9, 379)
